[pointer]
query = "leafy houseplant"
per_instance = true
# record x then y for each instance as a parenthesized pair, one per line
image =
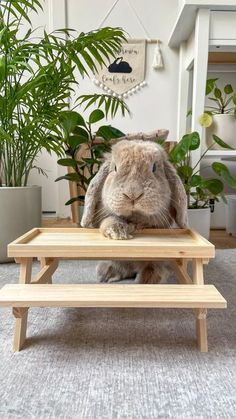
(37, 80)
(79, 133)
(200, 190)
(220, 117)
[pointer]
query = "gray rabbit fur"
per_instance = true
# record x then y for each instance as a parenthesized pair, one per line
(135, 188)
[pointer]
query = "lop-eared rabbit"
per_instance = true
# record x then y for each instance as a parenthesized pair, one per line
(136, 187)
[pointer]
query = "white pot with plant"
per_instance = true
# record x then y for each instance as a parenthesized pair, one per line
(220, 118)
(201, 192)
(36, 83)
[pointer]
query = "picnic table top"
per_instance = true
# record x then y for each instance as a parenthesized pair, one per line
(83, 243)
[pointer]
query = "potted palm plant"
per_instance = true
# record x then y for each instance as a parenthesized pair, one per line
(220, 117)
(201, 192)
(37, 80)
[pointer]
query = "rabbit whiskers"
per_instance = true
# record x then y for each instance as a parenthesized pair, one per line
(100, 214)
(164, 220)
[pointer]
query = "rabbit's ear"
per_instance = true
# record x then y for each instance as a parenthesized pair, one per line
(178, 195)
(93, 195)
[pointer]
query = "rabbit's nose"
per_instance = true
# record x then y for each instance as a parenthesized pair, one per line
(132, 196)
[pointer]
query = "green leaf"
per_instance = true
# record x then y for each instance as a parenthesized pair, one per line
(217, 93)
(81, 132)
(75, 140)
(195, 180)
(189, 113)
(224, 172)
(21, 11)
(70, 201)
(188, 143)
(234, 99)
(184, 171)
(205, 120)
(74, 177)
(215, 186)
(228, 89)
(108, 132)
(96, 116)
(210, 84)
(67, 162)
(69, 120)
(111, 104)
(221, 143)
(2, 31)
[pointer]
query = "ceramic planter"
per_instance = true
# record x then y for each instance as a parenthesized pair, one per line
(231, 215)
(199, 220)
(20, 211)
(224, 126)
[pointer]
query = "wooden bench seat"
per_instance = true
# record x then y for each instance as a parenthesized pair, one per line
(111, 295)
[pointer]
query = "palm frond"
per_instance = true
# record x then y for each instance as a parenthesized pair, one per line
(111, 104)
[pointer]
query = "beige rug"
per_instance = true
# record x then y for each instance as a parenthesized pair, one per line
(120, 363)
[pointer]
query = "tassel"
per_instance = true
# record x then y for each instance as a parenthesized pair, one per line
(157, 59)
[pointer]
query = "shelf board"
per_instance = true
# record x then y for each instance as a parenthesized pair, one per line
(185, 21)
(222, 153)
(222, 58)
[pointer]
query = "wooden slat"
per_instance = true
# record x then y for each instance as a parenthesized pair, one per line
(181, 272)
(91, 244)
(108, 295)
(26, 237)
(222, 57)
(46, 272)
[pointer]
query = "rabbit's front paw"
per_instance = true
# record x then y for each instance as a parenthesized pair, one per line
(106, 272)
(117, 232)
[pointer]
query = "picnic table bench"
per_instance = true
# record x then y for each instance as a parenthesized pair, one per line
(50, 245)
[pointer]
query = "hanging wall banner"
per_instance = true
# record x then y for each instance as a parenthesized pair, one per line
(125, 75)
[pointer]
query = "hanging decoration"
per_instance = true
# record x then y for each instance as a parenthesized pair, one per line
(157, 59)
(125, 75)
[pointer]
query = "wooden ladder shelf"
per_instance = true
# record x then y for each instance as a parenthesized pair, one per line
(51, 245)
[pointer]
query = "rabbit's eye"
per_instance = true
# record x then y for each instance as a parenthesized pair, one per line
(154, 167)
(115, 169)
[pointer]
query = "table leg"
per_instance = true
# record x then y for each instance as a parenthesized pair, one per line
(21, 314)
(198, 278)
(180, 268)
(201, 321)
(45, 262)
(201, 329)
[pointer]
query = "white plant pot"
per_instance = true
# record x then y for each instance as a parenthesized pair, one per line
(20, 211)
(231, 215)
(218, 217)
(224, 126)
(199, 220)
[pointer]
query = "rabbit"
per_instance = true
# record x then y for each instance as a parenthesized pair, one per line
(136, 187)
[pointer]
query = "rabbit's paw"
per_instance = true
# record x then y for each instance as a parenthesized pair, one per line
(118, 231)
(106, 272)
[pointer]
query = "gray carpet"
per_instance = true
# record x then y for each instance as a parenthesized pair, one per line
(120, 363)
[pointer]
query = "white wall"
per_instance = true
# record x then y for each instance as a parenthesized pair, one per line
(154, 107)
(47, 162)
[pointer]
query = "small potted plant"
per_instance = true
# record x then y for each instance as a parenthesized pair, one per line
(220, 117)
(84, 148)
(201, 192)
(37, 79)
